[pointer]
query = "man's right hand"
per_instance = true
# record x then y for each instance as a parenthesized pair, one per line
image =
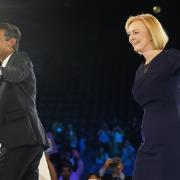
(108, 162)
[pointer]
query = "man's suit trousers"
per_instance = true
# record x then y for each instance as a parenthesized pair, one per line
(20, 163)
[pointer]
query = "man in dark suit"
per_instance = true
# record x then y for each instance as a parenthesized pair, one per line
(22, 137)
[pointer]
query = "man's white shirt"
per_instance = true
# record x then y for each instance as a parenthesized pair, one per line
(5, 62)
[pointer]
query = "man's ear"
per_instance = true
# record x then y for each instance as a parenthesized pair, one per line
(12, 42)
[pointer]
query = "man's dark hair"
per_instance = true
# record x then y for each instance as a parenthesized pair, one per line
(11, 31)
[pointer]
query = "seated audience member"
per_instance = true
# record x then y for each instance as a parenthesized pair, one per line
(67, 171)
(93, 176)
(113, 170)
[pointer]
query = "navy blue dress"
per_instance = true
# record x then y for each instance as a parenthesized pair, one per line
(158, 92)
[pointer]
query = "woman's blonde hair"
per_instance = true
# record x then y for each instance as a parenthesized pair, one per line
(157, 32)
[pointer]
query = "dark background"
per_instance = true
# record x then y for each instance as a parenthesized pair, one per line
(83, 63)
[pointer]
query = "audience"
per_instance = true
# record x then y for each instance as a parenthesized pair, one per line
(80, 154)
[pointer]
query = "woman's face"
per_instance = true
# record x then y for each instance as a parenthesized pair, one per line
(139, 37)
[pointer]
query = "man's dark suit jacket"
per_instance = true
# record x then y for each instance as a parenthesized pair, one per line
(19, 122)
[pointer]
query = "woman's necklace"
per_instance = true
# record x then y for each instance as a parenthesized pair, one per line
(146, 67)
(150, 59)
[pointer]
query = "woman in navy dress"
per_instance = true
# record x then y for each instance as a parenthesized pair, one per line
(157, 90)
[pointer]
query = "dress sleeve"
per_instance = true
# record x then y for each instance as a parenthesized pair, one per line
(174, 61)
